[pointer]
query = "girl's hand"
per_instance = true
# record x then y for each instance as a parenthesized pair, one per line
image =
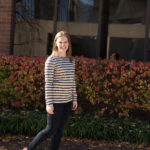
(74, 105)
(50, 109)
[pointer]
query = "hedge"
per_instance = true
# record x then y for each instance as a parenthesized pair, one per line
(118, 88)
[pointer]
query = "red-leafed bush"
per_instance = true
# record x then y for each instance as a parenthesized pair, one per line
(118, 88)
(22, 82)
(114, 87)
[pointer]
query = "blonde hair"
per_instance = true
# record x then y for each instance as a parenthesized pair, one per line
(55, 48)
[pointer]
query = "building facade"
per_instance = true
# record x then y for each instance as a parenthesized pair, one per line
(7, 8)
(98, 28)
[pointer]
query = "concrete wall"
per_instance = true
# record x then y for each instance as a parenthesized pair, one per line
(31, 37)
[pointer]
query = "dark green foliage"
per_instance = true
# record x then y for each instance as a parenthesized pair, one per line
(85, 125)
(28, 123)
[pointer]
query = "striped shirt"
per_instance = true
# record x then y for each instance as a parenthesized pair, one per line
(60, 86)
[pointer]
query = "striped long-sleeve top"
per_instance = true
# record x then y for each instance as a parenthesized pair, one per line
(60, 86)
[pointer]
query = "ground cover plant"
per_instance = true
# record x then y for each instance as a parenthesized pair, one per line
(84, 125)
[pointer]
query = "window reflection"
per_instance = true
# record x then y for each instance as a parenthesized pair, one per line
(128, 48)
(81, 45)
(68, 10)
(120, 11)
(25, 9)
(63, 14)
(127, 11)
(84, 9)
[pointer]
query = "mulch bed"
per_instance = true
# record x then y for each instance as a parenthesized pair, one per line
(18, 142)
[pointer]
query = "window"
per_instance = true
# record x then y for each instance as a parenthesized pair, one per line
(25, 9)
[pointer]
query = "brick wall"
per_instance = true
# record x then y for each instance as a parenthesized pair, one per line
(6, 26)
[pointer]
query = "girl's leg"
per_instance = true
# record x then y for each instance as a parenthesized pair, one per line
(54, 128)
(63, 112)
(42, 135)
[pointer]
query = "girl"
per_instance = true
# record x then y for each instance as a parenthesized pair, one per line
(60, 91)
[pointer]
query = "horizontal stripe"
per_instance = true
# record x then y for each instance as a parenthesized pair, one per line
(60, 86)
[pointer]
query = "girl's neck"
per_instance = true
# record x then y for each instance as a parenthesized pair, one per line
(61, 54)
(56, 54)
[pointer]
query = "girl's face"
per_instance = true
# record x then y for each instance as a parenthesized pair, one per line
(62, 44)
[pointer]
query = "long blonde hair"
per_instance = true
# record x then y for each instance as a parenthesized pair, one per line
(55, 48)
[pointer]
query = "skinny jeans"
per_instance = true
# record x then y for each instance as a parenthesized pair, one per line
(54, 128)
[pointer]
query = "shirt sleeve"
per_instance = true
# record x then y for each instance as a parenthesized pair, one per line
(49, 77)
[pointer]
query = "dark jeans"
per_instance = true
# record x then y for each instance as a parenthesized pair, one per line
(54, 128)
